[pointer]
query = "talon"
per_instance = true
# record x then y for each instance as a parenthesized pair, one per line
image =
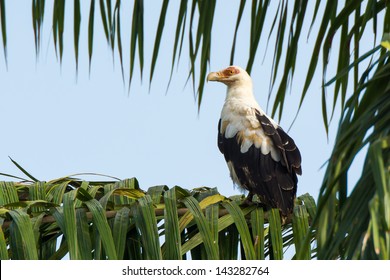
(248, 200)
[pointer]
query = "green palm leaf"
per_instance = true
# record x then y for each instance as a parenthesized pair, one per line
(275, 235)
(69, 214)
(257, 222)
(83, 235)
(172, 247)
(120, 228)
(76, 30)
(22, 242)
(91, 22)
(8, 193)
(203, 226)
(146, 223)
(3, 243)
(102, 227)
(210, 227)
(301, 229)
(3, 28)
(157, 40)
(242, 227)
(365, 110)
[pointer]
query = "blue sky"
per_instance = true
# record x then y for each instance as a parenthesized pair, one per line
(55, 123)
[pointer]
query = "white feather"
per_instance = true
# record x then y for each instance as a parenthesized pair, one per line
(275, 154)
(258, 142)
(246, 144)
(231, 130)
(260, 133)
(265, 148)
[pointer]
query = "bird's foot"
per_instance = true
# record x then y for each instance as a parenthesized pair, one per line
(248, 200)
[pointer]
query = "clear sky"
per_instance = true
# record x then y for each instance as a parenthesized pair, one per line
(56, 124)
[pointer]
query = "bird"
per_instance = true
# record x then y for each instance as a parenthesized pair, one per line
(261, 157)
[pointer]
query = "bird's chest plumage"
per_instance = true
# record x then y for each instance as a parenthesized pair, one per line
(239, 122)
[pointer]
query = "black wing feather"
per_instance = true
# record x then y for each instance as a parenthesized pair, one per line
(275, 182)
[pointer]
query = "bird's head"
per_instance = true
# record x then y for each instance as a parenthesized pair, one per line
(230, 76)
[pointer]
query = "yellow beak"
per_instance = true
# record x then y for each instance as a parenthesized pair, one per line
(214, 76)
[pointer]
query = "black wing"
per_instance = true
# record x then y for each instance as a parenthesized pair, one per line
(291, 157)
(275, 182)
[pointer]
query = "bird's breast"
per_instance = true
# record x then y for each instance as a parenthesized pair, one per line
(240, 122)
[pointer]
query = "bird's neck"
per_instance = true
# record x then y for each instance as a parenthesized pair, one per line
(240, 92)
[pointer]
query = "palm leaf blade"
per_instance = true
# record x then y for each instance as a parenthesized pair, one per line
(275, 235)
(121, 224)
(242, 227)
(22, 242)
(203, 226)
(83, 235)
(157, 40)
(145, 220)
(257, 222)
(172, 246)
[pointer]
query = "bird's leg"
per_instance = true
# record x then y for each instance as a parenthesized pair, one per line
(248, 200)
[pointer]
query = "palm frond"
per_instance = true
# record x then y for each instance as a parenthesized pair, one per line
(137, 36)
(157, 40)
(3, 28)
(106, 220)
(58, 27)
(348, 21)
(364, 123)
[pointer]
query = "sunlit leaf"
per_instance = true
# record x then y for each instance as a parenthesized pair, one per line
(8, 193)
(386, 41)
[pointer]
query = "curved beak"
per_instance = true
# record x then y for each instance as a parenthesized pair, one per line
(214, 76)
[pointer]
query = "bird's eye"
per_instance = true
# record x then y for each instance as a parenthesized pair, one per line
(230, 72)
